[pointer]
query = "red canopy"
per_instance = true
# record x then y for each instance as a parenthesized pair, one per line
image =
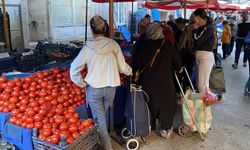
(178, 4)
(248, 8)
(106, 1)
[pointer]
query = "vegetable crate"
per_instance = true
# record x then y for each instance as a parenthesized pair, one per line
(86, 141)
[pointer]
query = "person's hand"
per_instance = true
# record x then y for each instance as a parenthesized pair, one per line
(195, 26)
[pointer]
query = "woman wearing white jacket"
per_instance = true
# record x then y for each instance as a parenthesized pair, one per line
(104, 61)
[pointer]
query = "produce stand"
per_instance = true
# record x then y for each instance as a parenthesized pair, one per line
(84, 137)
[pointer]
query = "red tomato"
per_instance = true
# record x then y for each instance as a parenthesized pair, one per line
(19, 116)
(29, 120)
(73, 128)
(28, 79)
(59, 119)
(41, 137)
(75, 135)
(32, 94)
(12, 120)
(33, 104)
(11, 106)
(65, 134)
(26, 85)
(5, 97)
(30, 112)
(55, 125)
(66, 104)
(45, 120)
(54, 102)
(30, 126)
(64, 126)
(70, 140)
(47, 126)
(18, 122)
(15, 94)
(86, 123)
(22, 97)
(38, 117)
(38, 125)
(46, 132)
(73, 120)
(42, 112)
(71, 110)
(59, 110)
(56, 132)
(55, 139)
(3, 79)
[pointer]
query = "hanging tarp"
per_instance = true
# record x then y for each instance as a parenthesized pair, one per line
(106, 1)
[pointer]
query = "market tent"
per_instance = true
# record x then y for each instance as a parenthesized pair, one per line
(106, 1)
(178, 4)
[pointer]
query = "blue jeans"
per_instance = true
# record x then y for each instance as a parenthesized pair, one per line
(99, 100)
(239, 44)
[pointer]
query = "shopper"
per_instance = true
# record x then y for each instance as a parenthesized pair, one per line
(157, 81)
(225, 39)
(233, 32)
(243, 26)
(104, 61)
(203, 46)
(185, 48)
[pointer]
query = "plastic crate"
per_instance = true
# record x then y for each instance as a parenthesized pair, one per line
(19, 75)
(26, 66)
(49, 66)
(3, 120)
(7, 63)
(86, 141)
(20, 137)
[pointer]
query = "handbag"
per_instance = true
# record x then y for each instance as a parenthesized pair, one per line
(149, 64)
(217, 80)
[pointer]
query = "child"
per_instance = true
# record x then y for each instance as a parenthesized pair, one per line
(225, 39)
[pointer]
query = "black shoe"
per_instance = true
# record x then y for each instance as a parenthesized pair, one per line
(244, 64)
(235, 66)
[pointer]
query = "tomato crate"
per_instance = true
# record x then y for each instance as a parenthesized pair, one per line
(86, 141)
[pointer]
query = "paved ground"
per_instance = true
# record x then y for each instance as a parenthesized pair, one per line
(231, 120)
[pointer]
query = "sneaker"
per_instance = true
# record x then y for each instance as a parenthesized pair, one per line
(235, 65)
(163, 133)
(244, 64)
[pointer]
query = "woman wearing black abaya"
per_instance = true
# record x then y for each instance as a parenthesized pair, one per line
(157, 81)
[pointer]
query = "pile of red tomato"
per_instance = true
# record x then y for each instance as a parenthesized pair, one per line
(47, 100)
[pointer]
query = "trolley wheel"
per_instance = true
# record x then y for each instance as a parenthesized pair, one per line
(125, 133)
(184, 131)
(132, 144)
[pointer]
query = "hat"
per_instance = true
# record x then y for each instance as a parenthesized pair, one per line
(154, 31)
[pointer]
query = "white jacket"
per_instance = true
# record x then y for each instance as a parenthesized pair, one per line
(104, 60)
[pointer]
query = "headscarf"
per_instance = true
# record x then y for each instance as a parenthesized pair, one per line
(154, 31)
(97, 23)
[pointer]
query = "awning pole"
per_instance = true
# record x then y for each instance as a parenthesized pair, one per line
(185, 9)
(5, 24)
(111, 14)
(86, 22)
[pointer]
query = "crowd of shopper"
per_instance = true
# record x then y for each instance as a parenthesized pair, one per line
(178, 42)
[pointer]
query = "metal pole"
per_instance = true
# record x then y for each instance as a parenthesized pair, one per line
(185, 9)
(132, 7)
(86, 22)
(111, 14)
(5, 24)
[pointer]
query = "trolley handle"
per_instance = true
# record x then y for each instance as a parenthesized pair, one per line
(190, 82)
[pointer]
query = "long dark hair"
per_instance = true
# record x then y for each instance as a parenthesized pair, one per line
(201, 13)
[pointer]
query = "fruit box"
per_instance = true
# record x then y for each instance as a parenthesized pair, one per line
(86, 141)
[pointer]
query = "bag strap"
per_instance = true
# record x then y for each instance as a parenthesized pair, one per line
(151, 62)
